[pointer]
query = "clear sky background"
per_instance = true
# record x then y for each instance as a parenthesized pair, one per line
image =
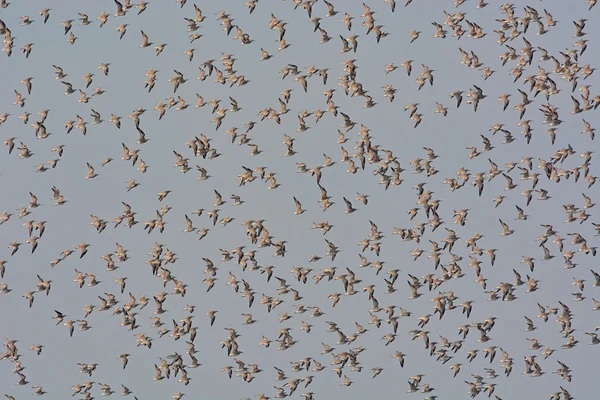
(56, 368)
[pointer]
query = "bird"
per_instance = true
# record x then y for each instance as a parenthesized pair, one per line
(145, 41)
(505, 229)
(299, 209)
(91, 174)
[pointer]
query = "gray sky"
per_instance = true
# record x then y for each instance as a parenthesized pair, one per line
(67, 226)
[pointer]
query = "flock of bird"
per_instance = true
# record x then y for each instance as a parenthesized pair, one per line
(251, 281)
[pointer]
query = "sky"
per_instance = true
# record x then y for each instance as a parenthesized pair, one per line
(56, 368)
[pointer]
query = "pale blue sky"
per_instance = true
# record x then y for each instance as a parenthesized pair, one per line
(56, 368)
